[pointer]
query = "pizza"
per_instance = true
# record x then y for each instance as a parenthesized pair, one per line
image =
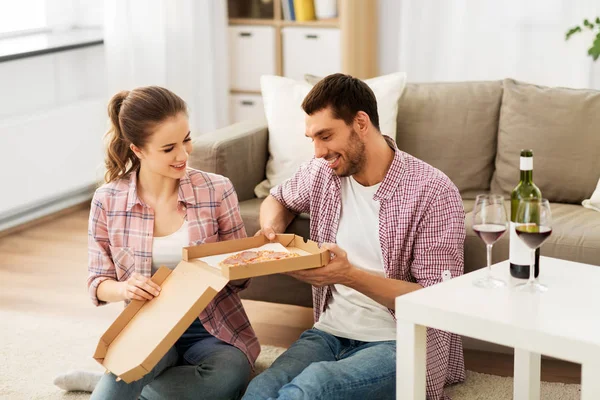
(254, 257)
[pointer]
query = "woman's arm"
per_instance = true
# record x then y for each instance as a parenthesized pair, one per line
(102, 280)
(100, 264)
(137, 287)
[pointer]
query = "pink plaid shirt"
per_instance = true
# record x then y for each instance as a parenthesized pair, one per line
(421, 232)
(120, 238)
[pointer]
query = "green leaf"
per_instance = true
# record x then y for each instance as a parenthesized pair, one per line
(594, 51)
(586, 22)
(572, 31)
(597, 20)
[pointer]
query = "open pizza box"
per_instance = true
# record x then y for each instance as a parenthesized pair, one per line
(145, 330)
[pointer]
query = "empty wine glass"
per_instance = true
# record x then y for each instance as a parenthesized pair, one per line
(533, 224)
(489, 223)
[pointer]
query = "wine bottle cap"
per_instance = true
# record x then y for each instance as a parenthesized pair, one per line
(526, 153)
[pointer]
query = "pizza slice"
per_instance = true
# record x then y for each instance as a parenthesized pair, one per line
(255, 256)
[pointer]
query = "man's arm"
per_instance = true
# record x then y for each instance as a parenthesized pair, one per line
(340, 271)
(274, 217)
(287, 200)
(382, 290)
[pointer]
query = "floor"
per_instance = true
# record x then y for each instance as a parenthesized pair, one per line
(43, 269)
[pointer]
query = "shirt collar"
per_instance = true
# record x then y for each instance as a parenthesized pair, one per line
(393, 177)
(185, 193)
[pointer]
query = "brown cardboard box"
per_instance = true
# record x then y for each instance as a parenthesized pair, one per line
(145, 330)
(316, 258)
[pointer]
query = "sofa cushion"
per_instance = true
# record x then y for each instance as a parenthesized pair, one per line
(561, 126)
(468, 205)
(452, 126)
(575, 234)
(250, 210)
(279, 288)
(593, 203)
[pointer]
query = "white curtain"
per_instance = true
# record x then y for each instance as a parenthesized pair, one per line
(480, 40)
(177, 44)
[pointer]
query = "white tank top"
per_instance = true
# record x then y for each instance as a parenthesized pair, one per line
(166, 250)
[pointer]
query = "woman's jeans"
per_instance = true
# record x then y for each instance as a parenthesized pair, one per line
(198, 366)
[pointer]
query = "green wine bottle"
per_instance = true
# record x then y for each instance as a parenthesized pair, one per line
(519, 254)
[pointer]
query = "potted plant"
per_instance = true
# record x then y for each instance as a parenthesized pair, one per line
(594, 26)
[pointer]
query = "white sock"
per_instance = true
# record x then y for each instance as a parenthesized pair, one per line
(78, 381)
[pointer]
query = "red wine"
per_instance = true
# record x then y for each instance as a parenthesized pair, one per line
(489, 233)
(534, 236)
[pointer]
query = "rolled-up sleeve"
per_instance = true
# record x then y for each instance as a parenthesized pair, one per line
(439, 245)
(100, 264)
(294, 193)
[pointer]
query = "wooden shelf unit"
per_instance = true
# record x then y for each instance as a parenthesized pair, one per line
(357, 25)
(357, 21)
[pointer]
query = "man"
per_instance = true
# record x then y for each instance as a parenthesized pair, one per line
(398, 224)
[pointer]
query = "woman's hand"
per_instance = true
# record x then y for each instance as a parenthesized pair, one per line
(138, 287)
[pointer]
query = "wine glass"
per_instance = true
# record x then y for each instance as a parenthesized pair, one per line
(533, 224)
(489, 223)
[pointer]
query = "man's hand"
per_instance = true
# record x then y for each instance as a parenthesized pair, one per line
(268, 231)
(338, 271)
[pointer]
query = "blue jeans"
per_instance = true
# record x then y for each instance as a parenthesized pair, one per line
(323, 366)
(199, 366)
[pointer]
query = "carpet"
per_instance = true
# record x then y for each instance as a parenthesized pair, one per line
(35, 348)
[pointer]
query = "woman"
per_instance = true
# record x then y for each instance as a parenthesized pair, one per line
(151, 206)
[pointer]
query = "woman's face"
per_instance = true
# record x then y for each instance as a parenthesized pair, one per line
(167, 151)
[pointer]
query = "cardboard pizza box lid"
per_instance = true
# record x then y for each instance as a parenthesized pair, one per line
(145, 330)
(314, 256)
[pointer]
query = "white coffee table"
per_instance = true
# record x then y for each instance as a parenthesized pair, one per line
(563, 323)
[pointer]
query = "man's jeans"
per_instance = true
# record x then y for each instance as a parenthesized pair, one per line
(199, 366)
(323, 366)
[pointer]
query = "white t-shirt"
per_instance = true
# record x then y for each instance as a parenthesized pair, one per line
(349, 313)
(166, 250)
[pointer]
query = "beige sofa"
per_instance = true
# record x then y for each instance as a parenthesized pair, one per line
(473, 132)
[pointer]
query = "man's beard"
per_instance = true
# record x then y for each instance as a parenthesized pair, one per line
(355, 154)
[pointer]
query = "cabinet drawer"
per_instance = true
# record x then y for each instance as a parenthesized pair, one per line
(314, 51)
(252, 54)
(246, 107)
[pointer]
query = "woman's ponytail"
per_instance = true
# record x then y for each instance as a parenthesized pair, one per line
(120, 159)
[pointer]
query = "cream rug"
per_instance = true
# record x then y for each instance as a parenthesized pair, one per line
(35, 348)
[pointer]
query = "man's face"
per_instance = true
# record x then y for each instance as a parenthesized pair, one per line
(339, 144)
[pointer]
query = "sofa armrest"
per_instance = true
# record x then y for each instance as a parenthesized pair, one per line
(238, 151)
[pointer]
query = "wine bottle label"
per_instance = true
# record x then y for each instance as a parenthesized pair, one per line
(519, 253)
(526, 163)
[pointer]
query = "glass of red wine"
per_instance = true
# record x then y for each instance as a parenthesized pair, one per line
(533, 224)
(489, 223)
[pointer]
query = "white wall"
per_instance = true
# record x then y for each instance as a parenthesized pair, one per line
(531, 49)
(389, 35)
(52, 119)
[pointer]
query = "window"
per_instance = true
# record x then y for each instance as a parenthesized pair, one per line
(22, 15)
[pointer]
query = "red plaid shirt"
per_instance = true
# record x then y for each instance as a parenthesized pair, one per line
(120, 238)
(421, 232)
